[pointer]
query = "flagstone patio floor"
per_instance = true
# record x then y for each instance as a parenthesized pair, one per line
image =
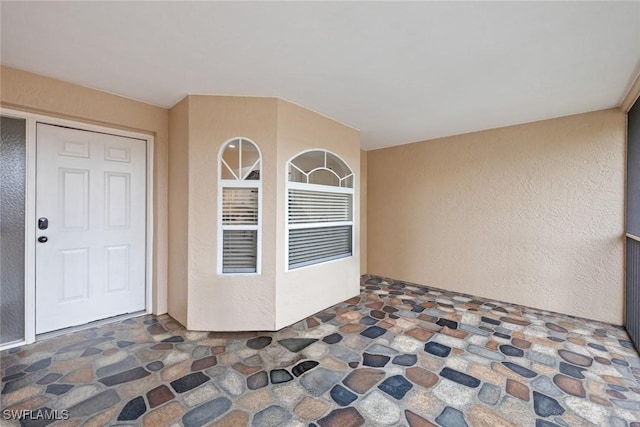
(399, 354)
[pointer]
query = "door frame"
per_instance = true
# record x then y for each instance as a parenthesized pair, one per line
(30, 209)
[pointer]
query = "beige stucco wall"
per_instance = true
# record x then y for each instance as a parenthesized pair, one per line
(34, 93)
(305, 291)
(178, 272)
(363, 212)
(530, 214)
(229, 302)
(275, 298)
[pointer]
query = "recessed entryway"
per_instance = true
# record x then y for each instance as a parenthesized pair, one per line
(87, 225)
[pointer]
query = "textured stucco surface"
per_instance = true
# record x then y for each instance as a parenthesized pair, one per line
(275, 298)
(178, 214)
(530, 214)
(305, 291)
(228, 302)
(31, 92)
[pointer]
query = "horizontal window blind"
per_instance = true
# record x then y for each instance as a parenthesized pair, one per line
(315, 245)
(239, 206)
(318, 206)
(239, 251)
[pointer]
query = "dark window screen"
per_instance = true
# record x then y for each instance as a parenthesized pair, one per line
(632, 297)
(633, 171)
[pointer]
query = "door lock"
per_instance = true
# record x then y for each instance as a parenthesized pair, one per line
(43, 223)
(43, 239)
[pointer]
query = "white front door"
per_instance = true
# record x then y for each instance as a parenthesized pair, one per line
(90, 231)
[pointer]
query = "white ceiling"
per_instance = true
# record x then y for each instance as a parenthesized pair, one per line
(399, 72)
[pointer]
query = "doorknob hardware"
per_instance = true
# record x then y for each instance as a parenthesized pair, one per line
(43, 239)
(43, 223)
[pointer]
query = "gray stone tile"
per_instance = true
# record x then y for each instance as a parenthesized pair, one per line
(127, 363)
(485, 352)
(95, 404)
(489, 394)
(206, 412)
(320, 380)
(273, 416)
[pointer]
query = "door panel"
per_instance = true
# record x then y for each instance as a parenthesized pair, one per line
(75, 274)
(74, 195)
(117, 198)
(92, 189)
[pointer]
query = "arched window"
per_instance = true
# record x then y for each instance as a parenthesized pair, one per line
(319, 209)
(240, 202)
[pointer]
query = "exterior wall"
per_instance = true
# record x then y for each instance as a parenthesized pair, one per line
(530, 214)
(307, 290)
(178, 271)
(186, 230)
(229, 302)
(363, 211)
(275, 298)
(25, 91)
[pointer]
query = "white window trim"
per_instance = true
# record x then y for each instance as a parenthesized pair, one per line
(323, 188)
(307, 174)
(319, 187)
(239, 183)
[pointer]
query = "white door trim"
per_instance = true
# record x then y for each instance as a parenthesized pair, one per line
(30, 209)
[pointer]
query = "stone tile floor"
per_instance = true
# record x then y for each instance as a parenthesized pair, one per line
(399, 354)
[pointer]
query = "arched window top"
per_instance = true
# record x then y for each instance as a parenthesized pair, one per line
(240, 160)
(320, 167)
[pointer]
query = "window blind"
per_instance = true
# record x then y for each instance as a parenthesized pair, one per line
(318, 206)
(239, 206)
(239, 251)
(315, 245)
(239, 245)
